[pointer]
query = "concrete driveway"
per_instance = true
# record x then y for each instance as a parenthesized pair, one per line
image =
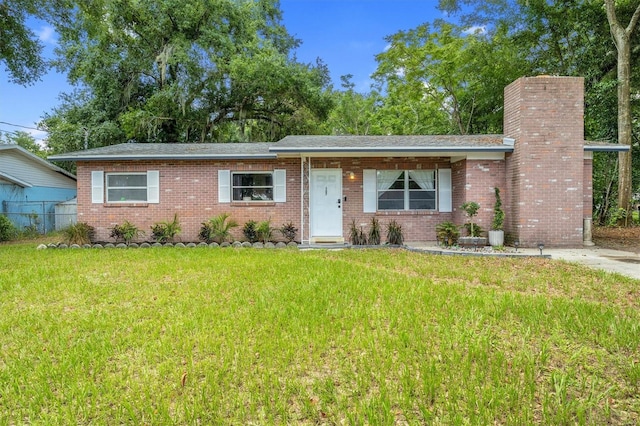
(622, 262)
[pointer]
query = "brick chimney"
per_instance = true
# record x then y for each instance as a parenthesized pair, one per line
(545, 116)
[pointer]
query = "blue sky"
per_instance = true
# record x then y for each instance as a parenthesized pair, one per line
(345, 34)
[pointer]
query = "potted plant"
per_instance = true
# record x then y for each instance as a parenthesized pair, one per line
(471, 209)
(496, 234)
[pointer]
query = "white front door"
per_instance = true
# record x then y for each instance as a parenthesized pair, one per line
(326, 204)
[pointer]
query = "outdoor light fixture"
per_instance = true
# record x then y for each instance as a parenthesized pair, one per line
(540, 246)
(516, 244)
(352, 176)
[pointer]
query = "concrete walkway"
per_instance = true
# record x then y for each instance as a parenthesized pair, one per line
(622, 262)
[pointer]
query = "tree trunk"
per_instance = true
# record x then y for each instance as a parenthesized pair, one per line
(624, 126)
(622, 38)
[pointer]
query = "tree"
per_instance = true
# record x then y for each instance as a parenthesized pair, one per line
(20, 48)
(573, 38)
(25, 140)
(446, 80)
(194, 71)
(353, 113)
(622, 39)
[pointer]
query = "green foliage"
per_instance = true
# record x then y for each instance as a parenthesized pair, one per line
(126, 232)
(21, 49)
(617, 216)
(217, 229)
(471, 209)
(374, 232)
(289, 231)
(447, 233)
(193, 71)
(498, 213)
(164, 232)
(357, 236)
(264, 230)
(473, 229)
(394, 233)
(249, 231)
(25, 140)
(7, 230)
(79, 233)
(439, 65)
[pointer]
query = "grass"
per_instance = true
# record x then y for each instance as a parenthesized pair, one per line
(246, 336)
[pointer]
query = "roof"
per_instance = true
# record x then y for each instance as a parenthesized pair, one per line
(17, 149)
(172, 151)
(413, 144)
(344, 146)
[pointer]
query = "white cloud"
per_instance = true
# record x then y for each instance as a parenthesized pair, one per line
(40, 136)
(482, 29)
(46, 34)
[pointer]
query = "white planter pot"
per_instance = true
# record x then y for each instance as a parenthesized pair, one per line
(496, 238)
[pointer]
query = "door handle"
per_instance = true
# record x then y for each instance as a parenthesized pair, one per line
(339, 202)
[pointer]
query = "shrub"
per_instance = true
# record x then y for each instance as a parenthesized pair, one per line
(447, 233)
(374, 232)
(126, 232)
(473, 230)
(289, 231)
(471, 209)
(356, 235)
(249, 231)
(264, 231)
(498, 213)
(79, 233)
(7, 230)
(394, 233)
(164, 232)
(217, 229)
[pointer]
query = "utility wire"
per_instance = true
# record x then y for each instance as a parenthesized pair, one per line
(24, 127)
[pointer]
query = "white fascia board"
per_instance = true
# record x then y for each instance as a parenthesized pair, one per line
(15, 180)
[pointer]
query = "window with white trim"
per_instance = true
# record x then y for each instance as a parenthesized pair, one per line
(126, 187)
(135, 187)
(406, 189)
(254, 186)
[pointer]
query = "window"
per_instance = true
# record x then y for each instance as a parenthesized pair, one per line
(406, 189)
(127, 187)
(252, 186)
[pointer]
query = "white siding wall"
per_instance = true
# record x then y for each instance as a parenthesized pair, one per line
(19, 166)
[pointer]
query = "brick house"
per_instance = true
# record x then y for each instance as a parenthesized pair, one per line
(321, 184)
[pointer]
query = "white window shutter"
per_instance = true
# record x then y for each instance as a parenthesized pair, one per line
(444, 190)
(224, 186)
(97, 187)
(369, 191)
(153, 186)
(280, 185)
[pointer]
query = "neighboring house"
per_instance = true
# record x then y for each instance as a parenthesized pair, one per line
(321, 184)
(30, 188)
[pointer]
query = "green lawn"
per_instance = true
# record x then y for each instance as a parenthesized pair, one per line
(248, 336)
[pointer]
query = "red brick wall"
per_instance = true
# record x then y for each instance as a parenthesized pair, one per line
(190, 189)
(545, 116)
(416, 225)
